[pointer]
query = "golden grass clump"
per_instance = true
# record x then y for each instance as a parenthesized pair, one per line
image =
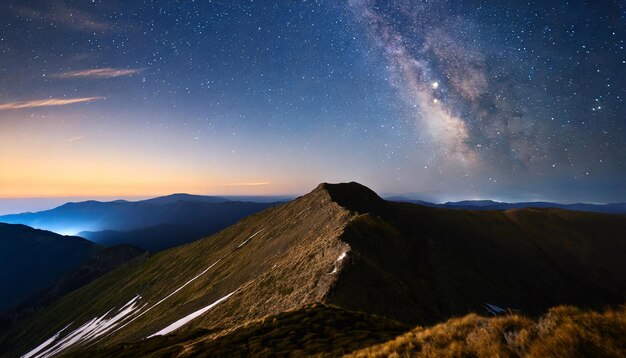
(564, 331)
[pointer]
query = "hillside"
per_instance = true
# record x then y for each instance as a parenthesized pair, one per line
(97, 264)
(343, 245)
(31, 260)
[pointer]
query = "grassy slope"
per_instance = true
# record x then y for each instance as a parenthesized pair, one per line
(564, 331)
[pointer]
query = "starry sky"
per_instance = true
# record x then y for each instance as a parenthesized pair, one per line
(439, 100)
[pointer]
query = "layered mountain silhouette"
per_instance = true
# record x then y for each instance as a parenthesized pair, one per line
(94, 266)
(153, 224)
(38, 267)
(614, 208)
(338, 250)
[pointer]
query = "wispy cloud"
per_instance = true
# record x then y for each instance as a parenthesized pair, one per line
(106, 72)
(67, 16)
(71, 141)
(45, 103)
(248, 184)
(74, 139)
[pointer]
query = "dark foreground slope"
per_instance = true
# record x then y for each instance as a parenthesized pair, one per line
(315, 329)
(341, 245)
(320, 330)
(31, 260)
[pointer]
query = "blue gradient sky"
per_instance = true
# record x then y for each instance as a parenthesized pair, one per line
(445, 101)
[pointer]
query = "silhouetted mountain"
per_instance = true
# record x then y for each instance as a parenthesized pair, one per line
(153, 224)
(340, 245)
(185, 197)
(31, 260)
(615, 208)
(471, 203)
(618, 208)
(154, 238)
(96, 265)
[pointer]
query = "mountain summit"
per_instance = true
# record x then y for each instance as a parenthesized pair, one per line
(341, 245)
(352, 196)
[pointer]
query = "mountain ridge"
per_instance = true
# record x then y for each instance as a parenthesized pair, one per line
(343, 245)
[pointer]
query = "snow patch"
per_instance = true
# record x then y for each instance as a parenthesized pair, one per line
(342, 256)
(45, 344)
(303, 211)
(183, 321)
(100, 327)
(493, 309)
(85, 333)
(248, 239)
(168, 296)
(339, 259)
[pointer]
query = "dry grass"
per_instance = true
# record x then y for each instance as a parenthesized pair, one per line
(564, 331)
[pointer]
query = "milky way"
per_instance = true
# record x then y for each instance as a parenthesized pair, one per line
(443, 100)
(411, 71)
(486, 95)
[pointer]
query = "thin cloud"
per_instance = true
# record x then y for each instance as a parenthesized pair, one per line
(249, 184)
(45, 103)
(67, 16)
(71, 141)
(74, 139)
(106, 72)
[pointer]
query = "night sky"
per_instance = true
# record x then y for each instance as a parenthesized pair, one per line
(443, 100)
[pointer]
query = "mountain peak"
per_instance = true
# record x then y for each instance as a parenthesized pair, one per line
(352, 196)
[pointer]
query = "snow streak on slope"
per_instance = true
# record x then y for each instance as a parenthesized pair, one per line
(46, 343)
(493, 309)
(183, 321)
(85, 333)
(99, 328)
(339, 259)
(248, 239)
(166, 297)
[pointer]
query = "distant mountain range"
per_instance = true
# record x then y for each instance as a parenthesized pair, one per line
(615, 208)
(336, 266)
(153, 224)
